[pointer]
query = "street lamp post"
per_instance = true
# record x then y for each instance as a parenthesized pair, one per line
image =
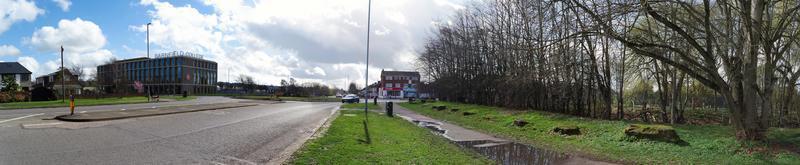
(63, 74)
(366, 75)
(148, 56)
(148, 39)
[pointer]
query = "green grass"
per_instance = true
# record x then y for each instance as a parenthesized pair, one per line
(394, 141)
(285, 98)
(359, 106)
(603, 139)
(85, 102)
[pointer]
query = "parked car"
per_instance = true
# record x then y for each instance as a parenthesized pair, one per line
(351, 98)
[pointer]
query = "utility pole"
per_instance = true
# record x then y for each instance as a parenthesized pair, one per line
(366, 75)
(148, 39)
(148, 56)
(63, 76)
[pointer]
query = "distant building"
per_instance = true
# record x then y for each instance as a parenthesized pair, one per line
(53, 81)
(166, 73)
(398, 84)
(372, 90)
(15, 70)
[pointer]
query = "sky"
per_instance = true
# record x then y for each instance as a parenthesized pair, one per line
(309, 40)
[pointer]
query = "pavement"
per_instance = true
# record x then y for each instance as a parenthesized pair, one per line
(502, 150)
(264, 133)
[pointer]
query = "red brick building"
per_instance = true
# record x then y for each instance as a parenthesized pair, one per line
(398, 84)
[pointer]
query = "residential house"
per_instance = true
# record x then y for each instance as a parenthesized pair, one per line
(53, 81)
(19, 73)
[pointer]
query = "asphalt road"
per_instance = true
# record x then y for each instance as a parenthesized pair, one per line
(260, 134)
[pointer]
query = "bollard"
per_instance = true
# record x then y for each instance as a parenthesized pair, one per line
(389, 109)
(71, 105)
(375, 100)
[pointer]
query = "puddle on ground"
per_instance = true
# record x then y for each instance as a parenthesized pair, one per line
(432, 126)
(510, 153)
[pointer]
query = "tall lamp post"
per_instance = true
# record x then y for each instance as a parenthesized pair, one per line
(63, 74)
(366, 75)
(148, 56)
(148, 39)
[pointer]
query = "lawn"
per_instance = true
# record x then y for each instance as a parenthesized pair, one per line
(86, 102)
(603, 139)
(394, 141)
(360, 106)
(285, 98)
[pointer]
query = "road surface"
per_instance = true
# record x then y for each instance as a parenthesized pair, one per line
(260, 134)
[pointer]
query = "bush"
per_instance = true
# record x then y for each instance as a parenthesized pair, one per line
(21, 96)
(653, 132)
(5, 97)
(42, 94)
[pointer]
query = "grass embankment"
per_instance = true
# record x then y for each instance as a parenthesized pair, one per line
(285, 98)
(359, 106)
(707, 144)
(394, 141)
(86, 102)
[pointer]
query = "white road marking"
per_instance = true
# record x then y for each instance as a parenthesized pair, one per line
(21, 117)
(83, 112)
(122, 109)
(41, 124)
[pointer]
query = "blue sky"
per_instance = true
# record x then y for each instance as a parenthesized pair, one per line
(312, 41)
(114, 17)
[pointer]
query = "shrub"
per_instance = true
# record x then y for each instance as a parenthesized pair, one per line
(5, 97)
(653, 132)
(42, 94)
(21, 96)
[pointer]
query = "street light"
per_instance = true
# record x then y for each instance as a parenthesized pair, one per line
(148, 56)
(148, 39)
(366, 74)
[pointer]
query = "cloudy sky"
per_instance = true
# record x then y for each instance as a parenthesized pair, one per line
(309, 40)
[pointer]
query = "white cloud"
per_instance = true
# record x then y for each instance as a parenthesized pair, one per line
(75, 35)
(8, 50)
(16, 10)
(63, 4)
(316, 71)
(83, 43)
(31, 64)
(313, 41)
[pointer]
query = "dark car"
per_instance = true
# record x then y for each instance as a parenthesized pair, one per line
(351, 98)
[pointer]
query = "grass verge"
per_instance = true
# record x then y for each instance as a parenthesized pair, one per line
(394, 141)
(708, 144)
(359, 106)
(86, 102)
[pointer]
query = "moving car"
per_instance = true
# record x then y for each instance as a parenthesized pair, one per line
(350, 98)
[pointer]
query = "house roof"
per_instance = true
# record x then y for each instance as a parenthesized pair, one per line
(401, 73)
(56, 72)
(13, 68)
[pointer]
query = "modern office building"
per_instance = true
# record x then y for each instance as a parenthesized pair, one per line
(166, 73)
(398, 84)
(19, 73)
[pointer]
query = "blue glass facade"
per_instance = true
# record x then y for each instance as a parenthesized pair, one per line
(168, 75)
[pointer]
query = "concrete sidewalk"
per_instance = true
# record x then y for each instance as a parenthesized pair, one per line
(155, 111)
(454, 132)
(503, 151)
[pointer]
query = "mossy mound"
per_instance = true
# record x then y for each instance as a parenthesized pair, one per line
(653, 132)
(567, 130)
(439, 108)
(520, 123)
